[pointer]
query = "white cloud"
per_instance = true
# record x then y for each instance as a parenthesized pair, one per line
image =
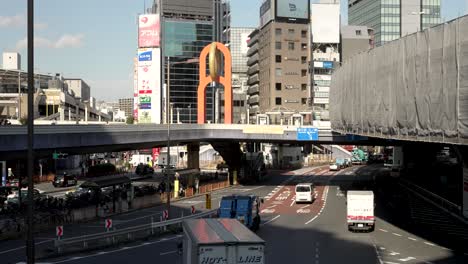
(65, 41)
(12, 21)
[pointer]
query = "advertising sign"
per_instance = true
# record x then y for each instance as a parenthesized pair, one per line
(325, 23)
(244, 43)
(266, 12)
(149, 90)
(148, 31)
(135, 89)
(295, 10)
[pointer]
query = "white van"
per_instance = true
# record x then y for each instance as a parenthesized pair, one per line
(305, 192)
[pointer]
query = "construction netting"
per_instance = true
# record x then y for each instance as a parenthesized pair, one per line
(412, 88)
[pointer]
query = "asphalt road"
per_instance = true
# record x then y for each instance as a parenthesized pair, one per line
(299, 233)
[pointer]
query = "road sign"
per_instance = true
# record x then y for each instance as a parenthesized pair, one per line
(307, 133)
(208, 200)
(59, 231)
(193, 209)
(165, 214)
(108, 223)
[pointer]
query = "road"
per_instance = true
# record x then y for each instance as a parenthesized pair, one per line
(297, 233)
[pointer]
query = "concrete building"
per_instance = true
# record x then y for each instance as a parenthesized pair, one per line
(392, 19)
(325, 39)
(355, 39)
(126, 105)
(79, 88)
(279, 57)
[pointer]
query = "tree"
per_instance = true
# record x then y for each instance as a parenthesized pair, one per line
(130, 120)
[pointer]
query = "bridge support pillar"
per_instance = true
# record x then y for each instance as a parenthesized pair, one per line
(462, 152)
(193, 155)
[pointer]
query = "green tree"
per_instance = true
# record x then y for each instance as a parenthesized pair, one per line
(130, 120)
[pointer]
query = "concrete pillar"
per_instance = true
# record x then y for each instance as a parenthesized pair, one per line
(77, 115)
(62, 113)
(86, 113)
(99, 117)
(69, 113)
(193, 156)
(462, 152)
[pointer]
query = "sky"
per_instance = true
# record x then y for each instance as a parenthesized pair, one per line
(96, 39)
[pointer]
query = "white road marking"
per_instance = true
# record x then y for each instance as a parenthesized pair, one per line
(382, 248)
(267, 211)
(430, 244)
(305, 206)
(383, 230)
(389, 262)
(292, 203)
(412, 238)
(406, 259)
(271, 206)
(378, 254)
(393, 253)
(311, 219)
(271, 220)
(167, 253)
(303, 211)
(396, 234)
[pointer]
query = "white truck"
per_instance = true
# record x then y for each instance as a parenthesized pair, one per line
(360, 207)
(223, 241)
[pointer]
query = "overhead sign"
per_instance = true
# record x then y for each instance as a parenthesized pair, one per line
(148, 31)
(307, 133)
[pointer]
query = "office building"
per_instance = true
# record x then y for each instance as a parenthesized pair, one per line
(189, 26)
(355, 39)
(79, 88)
(126, 105)
(392, 19)
(11, 61)
(325, 27)
(279, 56)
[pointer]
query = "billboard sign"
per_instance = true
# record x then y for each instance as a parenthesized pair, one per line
(149, 82)
(135, 89)
(266, 12)
(244, 43)
(325, 23)
(149, 31)
(293, 10)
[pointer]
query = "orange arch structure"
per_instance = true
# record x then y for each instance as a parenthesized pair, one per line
(205, 80)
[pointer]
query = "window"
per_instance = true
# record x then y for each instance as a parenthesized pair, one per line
(304, 33)
(304, 101)
(291, 45)
(278, 45)
(278, 58)
(278, 86)
(290, 31)
(278, 100)
(358, 33)
(278, 32)
(303, 73)
(304, 46)
(303, 59)
(278, 72)
(303, 87)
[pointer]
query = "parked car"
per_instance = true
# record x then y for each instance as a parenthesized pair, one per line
(334, 167)
(64, 180)
(348, 162)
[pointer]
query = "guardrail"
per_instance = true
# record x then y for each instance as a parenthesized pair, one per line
(114, 237)
(433, 198)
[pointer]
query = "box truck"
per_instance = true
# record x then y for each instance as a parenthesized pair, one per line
(224, 241)
(360, 207)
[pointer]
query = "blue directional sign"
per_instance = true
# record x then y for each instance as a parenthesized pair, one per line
(307, 133)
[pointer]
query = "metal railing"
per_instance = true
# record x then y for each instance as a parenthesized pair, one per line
(115, 237)
(433, 198)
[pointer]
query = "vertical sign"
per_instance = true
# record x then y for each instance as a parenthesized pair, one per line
(135, 89)
(149, 90)
(149, 31)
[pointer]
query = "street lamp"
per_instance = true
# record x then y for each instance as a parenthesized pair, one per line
(169, 121)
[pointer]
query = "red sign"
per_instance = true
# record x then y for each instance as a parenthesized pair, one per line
(193, 209)
(59, 231)
(148, 31)
(165, 214)
(108, 223)
(155, 153)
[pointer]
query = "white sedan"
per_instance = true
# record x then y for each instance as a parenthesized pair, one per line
(334, 167)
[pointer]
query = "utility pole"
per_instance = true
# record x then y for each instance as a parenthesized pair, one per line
(168, 120)
(30, 235)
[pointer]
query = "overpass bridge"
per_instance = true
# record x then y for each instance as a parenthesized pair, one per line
(105, 138)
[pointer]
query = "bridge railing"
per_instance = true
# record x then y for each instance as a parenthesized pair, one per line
(433, 198)
(125, 235)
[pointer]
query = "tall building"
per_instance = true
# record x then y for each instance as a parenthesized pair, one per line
(279, 86)
(355, 39)
(392, 19)
(187, 27)
(126, 105)
(325, 29)
(79, 88)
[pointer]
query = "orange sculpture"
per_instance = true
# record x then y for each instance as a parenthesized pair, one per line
(214, 50)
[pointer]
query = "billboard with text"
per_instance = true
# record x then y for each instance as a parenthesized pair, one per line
(293, 10)
(149, 86)
(149, 31)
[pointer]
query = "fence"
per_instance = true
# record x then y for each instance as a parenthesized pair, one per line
(125, 235)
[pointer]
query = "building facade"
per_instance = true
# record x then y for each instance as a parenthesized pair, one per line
(126, 105)
(392, 19)
(79, 88)
(355, 39)
(279, 58)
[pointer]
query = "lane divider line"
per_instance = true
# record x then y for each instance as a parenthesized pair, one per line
(271, 220)
(396, 234)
